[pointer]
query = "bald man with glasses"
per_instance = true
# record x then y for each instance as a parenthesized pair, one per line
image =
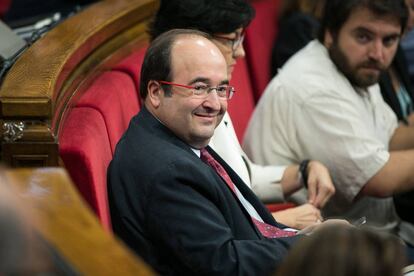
(173, 200)
(226, 22)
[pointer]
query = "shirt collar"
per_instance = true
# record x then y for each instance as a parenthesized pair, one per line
(197, 152)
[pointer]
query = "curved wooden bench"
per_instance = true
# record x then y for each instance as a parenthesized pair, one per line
(52, 74)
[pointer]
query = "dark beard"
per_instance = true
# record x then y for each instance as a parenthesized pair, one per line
(341, 61)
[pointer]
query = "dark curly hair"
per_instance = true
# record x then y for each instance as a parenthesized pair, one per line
(337, 12)
(210, 16)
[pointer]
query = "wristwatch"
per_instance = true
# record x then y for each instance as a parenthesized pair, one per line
(303, 172)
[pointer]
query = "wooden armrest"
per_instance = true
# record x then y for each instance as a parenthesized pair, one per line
(62, 217)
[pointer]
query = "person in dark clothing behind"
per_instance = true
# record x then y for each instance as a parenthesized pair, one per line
(396, 87)
(298, 24)
(398, 93)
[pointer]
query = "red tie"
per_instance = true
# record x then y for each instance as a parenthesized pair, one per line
(267, 230)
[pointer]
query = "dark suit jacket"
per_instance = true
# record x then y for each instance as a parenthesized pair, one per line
(178, 214)
(387, 90)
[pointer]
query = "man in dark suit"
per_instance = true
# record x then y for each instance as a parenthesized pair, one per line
(169, 205)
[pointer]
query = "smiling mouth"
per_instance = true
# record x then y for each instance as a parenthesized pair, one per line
(206, 115)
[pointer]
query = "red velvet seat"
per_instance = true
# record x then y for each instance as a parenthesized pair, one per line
(274, 207)
(259, 42)
(241, 106)
(4, 7)
(132, 65)
(94, 126)
(85, 149)
(114, 95)
(91, 131)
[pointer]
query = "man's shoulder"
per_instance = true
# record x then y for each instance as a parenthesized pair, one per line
(308, 73)
(145, 143)
(309, 64)
(139, 145)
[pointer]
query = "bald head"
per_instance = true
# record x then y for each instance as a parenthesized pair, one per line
(157, 60)
(185, 99)
(196, 53)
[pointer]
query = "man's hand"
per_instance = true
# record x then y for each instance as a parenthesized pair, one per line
(299, 217)
(320, 187)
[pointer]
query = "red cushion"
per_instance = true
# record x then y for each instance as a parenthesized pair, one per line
(279, 206)
(112, 94)
(259, 42)
(242, 104)
(92, 130)
(85, 150)
(132, 65)
(4, 7)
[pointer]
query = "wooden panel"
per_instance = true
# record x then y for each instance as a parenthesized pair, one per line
(30, 154)
(65, 221)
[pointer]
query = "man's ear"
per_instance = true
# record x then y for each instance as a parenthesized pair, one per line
(155, 93)
(328, 39)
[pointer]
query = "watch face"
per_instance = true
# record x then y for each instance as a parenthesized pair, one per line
(303, 172)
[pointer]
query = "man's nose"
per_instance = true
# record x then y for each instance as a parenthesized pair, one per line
(376, 51)
(213, 100)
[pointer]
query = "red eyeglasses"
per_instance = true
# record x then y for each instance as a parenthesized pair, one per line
(202, 90)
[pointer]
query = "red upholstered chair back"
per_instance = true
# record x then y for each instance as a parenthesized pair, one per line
(131, 65)
(115, 97)
(4, 7)
(241, 106)
(259, 42)
(86, 151)
(94, 126)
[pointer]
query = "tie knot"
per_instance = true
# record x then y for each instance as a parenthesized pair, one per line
(206, 156)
